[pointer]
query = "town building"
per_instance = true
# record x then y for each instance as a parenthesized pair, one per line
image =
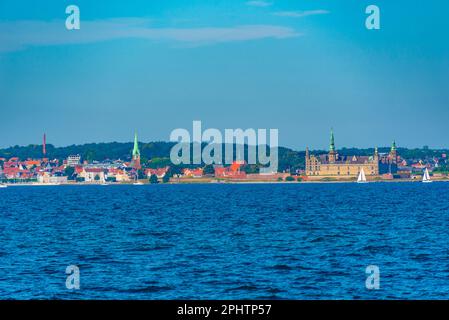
(93, 175)
(234, 171)
(158, 172)
(120, 175)
(48, 178)
(193, 173)
(73, 160)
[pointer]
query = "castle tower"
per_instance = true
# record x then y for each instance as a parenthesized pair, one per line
(332, 152)
(307, 162)
(376, 154)
(136, 154)
(393, 152)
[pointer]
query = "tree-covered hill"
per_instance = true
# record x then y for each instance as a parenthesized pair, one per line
(157, 154)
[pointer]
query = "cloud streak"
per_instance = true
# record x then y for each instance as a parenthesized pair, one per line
(20, 35)
(300, 14)
(259, 3)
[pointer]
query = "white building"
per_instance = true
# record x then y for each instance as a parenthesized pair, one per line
(47, 178)
(73, 160)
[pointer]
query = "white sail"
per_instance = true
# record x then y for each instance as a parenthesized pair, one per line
(426, 176)
(362, 177)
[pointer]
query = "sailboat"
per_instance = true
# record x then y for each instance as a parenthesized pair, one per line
(137, 182)
(3, 185)
(426, 176)
(362, 177)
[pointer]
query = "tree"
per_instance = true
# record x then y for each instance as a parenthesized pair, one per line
(153, 179)
(175, 171)
(166, 178)
(97, 178)
(68, 172)
(209, 169)
(289, 179)
(90, 155)
(111, 179)
(141, 174)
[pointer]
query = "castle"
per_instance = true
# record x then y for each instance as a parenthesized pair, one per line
(333, 165)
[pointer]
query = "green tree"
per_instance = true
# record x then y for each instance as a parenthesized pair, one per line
(209, 169)
(97, 178)
(176, 171)
(153, 179)
(69, 171)
(166, 177)
(90, 155)
(159, 162)
(251, 168)
(141, 174)
(289, 179)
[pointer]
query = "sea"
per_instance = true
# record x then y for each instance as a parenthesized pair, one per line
(226, 241)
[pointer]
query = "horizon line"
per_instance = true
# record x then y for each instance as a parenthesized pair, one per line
(245, 144)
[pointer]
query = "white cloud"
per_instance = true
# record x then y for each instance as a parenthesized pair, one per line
(22, 34)
(259, 3)
(300, 14)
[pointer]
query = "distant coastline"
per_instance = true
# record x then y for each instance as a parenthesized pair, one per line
(150, 163)
(215, 182)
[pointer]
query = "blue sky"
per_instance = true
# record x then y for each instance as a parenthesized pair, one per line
(153, 66)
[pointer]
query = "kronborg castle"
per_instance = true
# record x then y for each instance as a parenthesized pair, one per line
(333, 165)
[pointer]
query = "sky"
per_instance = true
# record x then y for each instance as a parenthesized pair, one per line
(302, 67)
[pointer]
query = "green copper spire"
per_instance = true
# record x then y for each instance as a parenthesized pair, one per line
(136, 151)
(393, 146)
(332, 144)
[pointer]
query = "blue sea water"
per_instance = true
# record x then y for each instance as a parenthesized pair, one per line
(225, 241)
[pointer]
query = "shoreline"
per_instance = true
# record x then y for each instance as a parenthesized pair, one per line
(214, 182)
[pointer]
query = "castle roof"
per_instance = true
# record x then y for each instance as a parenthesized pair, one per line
(324, 159)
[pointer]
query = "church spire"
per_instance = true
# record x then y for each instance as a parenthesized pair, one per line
(136, 154)
(332, 142)
(136, 151)
(332, 153)
(393, 146)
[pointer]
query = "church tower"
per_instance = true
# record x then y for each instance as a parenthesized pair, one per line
(332, 152)
(393, 153)
(136, 154)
